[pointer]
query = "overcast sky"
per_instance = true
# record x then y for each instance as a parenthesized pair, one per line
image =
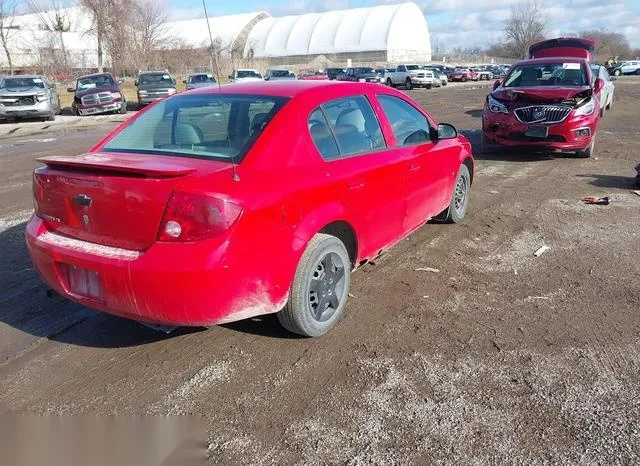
(453, 23)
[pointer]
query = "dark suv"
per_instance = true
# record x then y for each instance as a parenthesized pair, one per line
(97, 93)
(154, 85)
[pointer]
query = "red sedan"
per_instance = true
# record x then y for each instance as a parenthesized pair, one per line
(464, 75)
(214, 205)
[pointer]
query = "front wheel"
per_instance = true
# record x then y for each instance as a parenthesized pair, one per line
(408, 84)
(588, 152)
(616, 73)
(460, 199)
(464, 79)
(320, 288)
(123, 108)
(389, 82)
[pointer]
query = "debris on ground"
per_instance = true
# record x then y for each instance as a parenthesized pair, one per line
(596, 200)
(426, 269)
(351, 295)
(636, 192)
(541, 250)
(531, 298)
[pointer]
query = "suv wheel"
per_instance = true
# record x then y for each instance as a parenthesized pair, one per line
(588, 152)
(408, 84)
(320, 288)
(616, 72)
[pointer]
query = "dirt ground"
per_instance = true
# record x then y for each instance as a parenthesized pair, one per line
(500, 357)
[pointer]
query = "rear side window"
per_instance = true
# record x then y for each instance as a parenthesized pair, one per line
(409, 125)
(322, 135)
(354, 125)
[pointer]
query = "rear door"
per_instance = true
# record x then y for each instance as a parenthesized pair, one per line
(430, 165)
(369, 176)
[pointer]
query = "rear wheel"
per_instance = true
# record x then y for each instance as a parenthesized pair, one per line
(616, 72)
(460, 199)
(408, 84)
(464, 79)
(588, 152)
(320, 288)
(638, 71)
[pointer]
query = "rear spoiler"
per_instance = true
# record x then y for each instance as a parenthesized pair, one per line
(563, 47)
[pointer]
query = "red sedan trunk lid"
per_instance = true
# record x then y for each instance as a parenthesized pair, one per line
(111, 199)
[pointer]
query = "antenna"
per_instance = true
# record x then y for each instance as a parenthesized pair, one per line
(214, 62)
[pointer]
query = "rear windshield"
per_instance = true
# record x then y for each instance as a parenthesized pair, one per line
(547, 74)
(281, 73)
(201, 78)
(15, 83)
(160, 78)
(210, 126)
(93, 82)
(248, 74)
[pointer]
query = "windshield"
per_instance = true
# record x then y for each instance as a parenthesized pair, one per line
(281, 74)
(363, 70)
(201, 78)
(413, 67)
(15, 83)
(160, 78)
(547, 74)
(248, 74)
(210, 126)
(92, 82)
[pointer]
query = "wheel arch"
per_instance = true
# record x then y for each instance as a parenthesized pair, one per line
(470, 165)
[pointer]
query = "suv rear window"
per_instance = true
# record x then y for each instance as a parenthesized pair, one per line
(210, 126)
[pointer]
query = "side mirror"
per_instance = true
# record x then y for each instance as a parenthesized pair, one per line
(135, 83)
(599, 85)
(447, 131)
(71, 89)
(230, 77)
(120, 81)
(184, 81)
(496, 84)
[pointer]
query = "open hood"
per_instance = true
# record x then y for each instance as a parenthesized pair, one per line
(563, 47)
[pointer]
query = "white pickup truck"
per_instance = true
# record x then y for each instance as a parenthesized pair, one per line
(411, 76)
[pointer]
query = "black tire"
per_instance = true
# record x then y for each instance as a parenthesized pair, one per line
(389, 82)
(588, 152)
(463, 79)
(459, 199)
(123, 108)
(428, 86)
(324, 252)
(638, 72)
(51, 117)
(408, 84)
(610, 105)
(74, 110)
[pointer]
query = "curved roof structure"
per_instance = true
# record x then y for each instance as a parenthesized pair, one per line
(385, 27)
(226, 29)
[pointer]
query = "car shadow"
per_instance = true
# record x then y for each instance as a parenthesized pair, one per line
(475, 113)
(611, 181)
(263, 326)
(507, 154)
(28, 306)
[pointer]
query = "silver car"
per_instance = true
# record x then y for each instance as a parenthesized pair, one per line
(605, 96)
(28, 96)
(198, 80)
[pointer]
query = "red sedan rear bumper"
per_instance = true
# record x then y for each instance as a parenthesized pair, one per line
(186, 284)
(507, 130)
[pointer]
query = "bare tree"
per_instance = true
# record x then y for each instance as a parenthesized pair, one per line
(149, 30)
(52, 17)
(7, 16)
(608, 44)
(527, 25)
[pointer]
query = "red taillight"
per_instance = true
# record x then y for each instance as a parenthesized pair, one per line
(38, 192)
(195, 217)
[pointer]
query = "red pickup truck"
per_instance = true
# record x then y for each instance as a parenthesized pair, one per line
(548, 102)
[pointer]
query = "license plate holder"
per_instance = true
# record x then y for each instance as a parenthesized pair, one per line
(83, 282)
(540, 132)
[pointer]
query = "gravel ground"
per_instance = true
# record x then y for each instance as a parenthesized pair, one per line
(500, 357)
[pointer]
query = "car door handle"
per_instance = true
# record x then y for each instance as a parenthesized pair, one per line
(356, 185)
(415, 167)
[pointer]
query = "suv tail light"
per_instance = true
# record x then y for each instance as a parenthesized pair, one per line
(196, 217)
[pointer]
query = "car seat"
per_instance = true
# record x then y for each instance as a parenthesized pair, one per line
(323, 139)
(186, 134)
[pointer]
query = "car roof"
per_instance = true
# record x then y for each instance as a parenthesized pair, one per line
(279, 88)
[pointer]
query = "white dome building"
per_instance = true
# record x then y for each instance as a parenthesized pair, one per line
(386, 33)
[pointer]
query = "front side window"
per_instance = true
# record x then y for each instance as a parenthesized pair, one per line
(409, 125)
(201, 78)
(248, 74)
(210, 126)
